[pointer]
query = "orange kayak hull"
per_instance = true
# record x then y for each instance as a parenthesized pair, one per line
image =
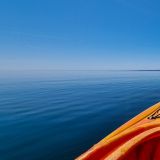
(139, 138)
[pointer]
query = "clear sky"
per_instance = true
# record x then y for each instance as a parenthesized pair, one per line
(79, 34)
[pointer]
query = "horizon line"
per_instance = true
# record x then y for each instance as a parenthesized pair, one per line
(79, 69)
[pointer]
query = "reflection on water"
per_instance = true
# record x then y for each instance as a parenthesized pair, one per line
(58, 115)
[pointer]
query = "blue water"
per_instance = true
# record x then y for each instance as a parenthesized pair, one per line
(59, 115)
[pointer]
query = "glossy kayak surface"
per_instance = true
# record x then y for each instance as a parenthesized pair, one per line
(138, 139)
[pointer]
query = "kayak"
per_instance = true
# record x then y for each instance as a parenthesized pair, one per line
(137, 139)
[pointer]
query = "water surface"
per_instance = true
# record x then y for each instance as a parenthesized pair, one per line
(59, 115)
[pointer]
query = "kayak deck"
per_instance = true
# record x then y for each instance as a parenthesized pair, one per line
(139, 138)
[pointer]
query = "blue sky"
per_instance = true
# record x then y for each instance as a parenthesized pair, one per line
(79, 34)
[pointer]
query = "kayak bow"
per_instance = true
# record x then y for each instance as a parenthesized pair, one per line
(138, 139)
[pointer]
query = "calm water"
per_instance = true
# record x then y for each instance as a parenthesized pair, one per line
(58, 115)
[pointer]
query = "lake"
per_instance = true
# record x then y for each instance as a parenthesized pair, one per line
(57, 115)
